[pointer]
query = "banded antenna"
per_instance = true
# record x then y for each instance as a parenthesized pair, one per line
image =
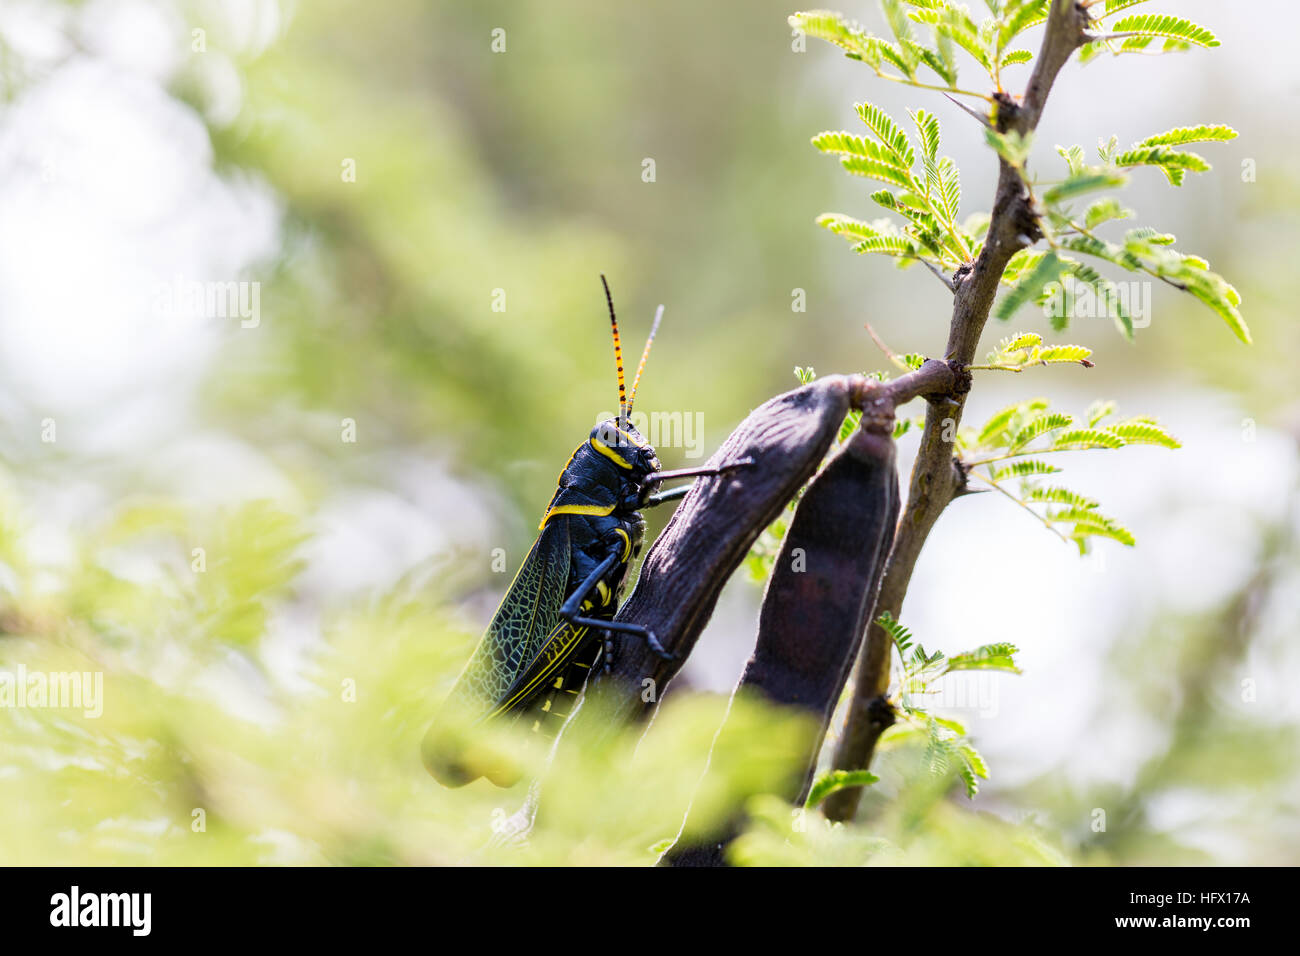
(623, 407)
(659, 315)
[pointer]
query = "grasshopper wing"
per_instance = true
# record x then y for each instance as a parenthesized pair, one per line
(510, 664)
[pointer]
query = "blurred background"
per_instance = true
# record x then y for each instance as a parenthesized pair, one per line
(300, 315)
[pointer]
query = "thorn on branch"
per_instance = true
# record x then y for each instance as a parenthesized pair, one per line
(948, 283)
(962, 484)
(975, 114)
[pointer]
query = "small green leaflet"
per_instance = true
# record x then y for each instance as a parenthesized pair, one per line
(835, 780)
(1048, 270)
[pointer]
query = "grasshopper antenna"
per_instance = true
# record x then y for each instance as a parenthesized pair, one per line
(623, 404)
(659, 314)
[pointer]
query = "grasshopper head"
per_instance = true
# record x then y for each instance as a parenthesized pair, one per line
(619, 441)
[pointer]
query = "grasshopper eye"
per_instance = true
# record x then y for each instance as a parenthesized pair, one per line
(609, 435)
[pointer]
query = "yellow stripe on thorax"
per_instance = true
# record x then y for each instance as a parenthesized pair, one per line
(609, 453)
(596, 510)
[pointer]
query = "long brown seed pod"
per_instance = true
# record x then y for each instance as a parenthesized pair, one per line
(815, 610)
(711, 532)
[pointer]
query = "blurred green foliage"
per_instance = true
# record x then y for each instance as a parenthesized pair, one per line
(520, 172)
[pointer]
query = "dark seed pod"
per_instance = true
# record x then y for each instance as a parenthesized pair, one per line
(711, 532)
(815, 611)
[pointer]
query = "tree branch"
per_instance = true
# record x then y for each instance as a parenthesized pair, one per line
(937, 477)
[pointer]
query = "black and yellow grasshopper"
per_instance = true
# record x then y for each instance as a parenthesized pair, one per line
(547, 634)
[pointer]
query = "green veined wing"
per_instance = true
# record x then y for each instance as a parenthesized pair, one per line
(526, 625)
(522, 626)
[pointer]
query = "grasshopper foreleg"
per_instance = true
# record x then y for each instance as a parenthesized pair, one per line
(670, 495)
(571, 611)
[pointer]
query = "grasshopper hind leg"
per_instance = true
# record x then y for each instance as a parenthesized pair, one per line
(610, 628)
(572, 611)
(607, 655)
